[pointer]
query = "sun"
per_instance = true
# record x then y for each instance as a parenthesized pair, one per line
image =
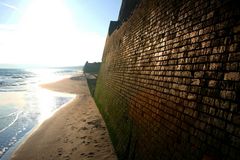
(46, 30)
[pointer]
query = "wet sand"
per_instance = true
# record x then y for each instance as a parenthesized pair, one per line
(75, 132)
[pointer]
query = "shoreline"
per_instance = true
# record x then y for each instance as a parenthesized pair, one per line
(7, 155)
(75, 131)
(12, 149)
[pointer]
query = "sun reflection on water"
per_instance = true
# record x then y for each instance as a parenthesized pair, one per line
(46, 75)
(25, 105)
(45, 102)
(48, 101)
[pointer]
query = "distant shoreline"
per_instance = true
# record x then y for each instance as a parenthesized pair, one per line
(25, 66)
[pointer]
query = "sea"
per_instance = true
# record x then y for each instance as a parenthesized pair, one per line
(24, 104)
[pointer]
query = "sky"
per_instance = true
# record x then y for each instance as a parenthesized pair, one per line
(54, 32)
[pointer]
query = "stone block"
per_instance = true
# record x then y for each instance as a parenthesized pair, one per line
(236, 119)
(195, 82)
(228, 94)
(236, 29)
(212, 83)
(233, 47)
(232, 76)
(198, 74)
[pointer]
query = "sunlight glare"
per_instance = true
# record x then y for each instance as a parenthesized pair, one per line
(44, 101)
(47, 35)
(46, 75)
(47, 99)
(48, 103)
(47, 31)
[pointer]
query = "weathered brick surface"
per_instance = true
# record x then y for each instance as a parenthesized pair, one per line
(169, 84)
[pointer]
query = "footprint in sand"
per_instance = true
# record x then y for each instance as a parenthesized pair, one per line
(65, 140)
(60, 151)
(84, 137)
(96, 123)
(103, 128)
(90, 138)
(72, 127)
(83, 128)
(66, 157)
(90, 154)
(74, 149)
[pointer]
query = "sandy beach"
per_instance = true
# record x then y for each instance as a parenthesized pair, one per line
(76, 131)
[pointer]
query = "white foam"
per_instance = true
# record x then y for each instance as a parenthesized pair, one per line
(16, 118)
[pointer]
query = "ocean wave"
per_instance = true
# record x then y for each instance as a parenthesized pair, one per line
(12, 86)
(12, 122)
(11, 114)
(18, 77)
(13, 90)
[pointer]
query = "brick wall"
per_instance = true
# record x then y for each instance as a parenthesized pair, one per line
(169, 84)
